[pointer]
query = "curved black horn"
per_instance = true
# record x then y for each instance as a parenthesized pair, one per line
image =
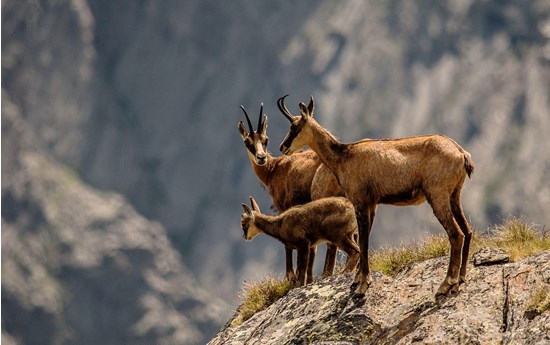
(283, 109)
(260, 117)
(248, 120)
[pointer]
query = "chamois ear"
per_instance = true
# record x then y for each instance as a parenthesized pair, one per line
(247, 209)
(263, 126)
(242, 130)
(307, 111)
(311, 106)
(254, 204)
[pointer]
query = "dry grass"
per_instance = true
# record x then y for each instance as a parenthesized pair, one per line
(540, 301)
(514, 236)
(260, 295)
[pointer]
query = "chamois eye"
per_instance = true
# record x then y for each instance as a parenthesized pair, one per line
(294, 128)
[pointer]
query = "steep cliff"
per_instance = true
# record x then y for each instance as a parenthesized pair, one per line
(496, 306)
(81, 266)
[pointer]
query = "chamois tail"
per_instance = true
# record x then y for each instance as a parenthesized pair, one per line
(468, 164)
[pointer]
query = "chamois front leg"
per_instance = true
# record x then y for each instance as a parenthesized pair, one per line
(303, 258)
(330, 260)
(290, 275)
(310, 262)
(363, 277)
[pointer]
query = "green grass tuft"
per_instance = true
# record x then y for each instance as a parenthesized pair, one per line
(258, 296)
(540, 301)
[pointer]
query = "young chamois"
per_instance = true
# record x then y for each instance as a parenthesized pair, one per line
(400, 172)
(302, 227)
(289, 182)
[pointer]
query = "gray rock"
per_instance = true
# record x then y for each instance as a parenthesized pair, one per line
(489, 309)
(490, 256)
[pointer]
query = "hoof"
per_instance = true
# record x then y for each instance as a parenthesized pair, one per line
(446, 290)
(358, 296)
(462, 280)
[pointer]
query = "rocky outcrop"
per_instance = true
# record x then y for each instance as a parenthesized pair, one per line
(489, 309)
(81, 266)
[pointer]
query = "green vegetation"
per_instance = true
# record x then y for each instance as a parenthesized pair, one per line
(259, 295)
(514, 236)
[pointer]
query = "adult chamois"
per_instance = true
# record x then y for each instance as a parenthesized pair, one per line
(304, 226)
(289, 182)
(400, 172)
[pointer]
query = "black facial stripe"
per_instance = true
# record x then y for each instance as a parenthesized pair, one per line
(290, 137)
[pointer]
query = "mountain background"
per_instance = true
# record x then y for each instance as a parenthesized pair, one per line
(122, 167)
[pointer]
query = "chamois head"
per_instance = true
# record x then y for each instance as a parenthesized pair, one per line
(248, 220)
(255, 141)
(295, 138)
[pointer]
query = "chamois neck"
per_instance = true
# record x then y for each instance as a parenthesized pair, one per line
(325, 145)
(263, 172)
(270, 225)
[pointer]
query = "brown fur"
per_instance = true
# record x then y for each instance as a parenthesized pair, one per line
(302, 227)
(289, 181)
(400, 172)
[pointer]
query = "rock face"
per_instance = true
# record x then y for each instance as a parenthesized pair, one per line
(81, 266)
(489, 309)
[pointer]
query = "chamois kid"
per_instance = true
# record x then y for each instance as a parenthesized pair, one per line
(290, 181)
(301, 227)
(405, 171)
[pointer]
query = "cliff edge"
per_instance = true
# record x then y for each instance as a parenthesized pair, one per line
(500, 304)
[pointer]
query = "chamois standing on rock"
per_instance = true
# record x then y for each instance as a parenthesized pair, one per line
(304, 226)
(289, 182)
(400, 172)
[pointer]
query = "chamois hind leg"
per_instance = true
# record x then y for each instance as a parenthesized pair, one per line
(290, 275)
(363, 278)
(353, 253)
(310, 262)
(303, 258)
(458, 214)
(330, 260)
(442, 210)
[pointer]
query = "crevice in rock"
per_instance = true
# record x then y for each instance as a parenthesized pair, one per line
(506, 306)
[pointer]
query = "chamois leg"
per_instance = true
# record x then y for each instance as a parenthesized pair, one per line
(458, 214)
(290, 275)
(303, 258)
(310, 262)
(330, 260)
(363, 278)
(442, 211)
(353, 253)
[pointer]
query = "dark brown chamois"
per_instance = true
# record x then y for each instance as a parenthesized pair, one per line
(404, 171)
(301, 227)
(288, 180)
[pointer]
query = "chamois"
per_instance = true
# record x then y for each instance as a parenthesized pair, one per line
(404, 171)
(288, 180)
(304, 226)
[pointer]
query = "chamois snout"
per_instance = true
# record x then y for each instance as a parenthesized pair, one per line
(260, 159)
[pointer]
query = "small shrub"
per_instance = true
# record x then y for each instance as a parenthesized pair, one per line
(259, 295)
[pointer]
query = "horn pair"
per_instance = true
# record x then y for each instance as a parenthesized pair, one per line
(251, 129)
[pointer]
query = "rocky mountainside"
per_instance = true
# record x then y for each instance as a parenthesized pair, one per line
(494, 307)
(141, 99)
(81, 266)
